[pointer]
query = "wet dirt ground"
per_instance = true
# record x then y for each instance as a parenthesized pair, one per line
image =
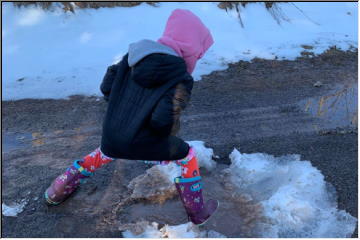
(268, 106)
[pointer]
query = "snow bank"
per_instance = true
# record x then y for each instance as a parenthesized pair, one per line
(293, 193)
(144, 229)
(57, 54)
(14, 209)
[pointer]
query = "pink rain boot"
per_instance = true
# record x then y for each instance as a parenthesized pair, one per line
(191, 196)
(65, 184)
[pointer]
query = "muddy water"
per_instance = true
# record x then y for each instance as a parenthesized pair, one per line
(14, 141)
(238, 215)
(336, 109)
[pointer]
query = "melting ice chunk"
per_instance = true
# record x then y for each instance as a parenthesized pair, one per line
(156, 184)
(14, 209)
(141, 229)
(294, 196)
(144, 229)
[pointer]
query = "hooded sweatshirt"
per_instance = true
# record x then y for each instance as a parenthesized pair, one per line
(145, 47)
(188, 36)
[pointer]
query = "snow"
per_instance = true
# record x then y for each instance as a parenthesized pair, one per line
(181, 231)
(204, 155)
(186, 230)
(149, 231)
(52, 54)
(170, 171)
(30, 17)
(13, 210)
(294, 196)
(85, 37)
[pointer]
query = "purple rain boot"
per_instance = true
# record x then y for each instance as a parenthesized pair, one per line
(65, 184)
(191, 196)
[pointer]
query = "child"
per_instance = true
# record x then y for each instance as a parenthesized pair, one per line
(146, 92)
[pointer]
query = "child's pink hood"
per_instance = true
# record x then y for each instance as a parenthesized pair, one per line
(188, 36)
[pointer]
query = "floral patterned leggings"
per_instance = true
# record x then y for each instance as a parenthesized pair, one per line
(189, 164)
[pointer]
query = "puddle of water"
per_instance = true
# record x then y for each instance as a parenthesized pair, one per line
(237, 215)
(37, 139)
(338, 109)
(14, 141)
(260, 196)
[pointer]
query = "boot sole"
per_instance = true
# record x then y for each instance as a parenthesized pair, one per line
(48, 201)
(203, 223)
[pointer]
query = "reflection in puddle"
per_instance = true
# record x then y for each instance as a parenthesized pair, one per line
(37, 139)
(337, 109)
(13, 141)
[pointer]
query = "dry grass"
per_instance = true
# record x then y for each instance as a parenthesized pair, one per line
(333, 54)
(231, 5)
(307, 47)
(273, 8)
(68, 6)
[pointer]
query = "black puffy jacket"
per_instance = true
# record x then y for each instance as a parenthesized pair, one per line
(145, 102)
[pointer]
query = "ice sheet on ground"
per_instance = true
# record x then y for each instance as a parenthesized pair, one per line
(144, 229)
(14, 209)
(293, 193)
(56, 54)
